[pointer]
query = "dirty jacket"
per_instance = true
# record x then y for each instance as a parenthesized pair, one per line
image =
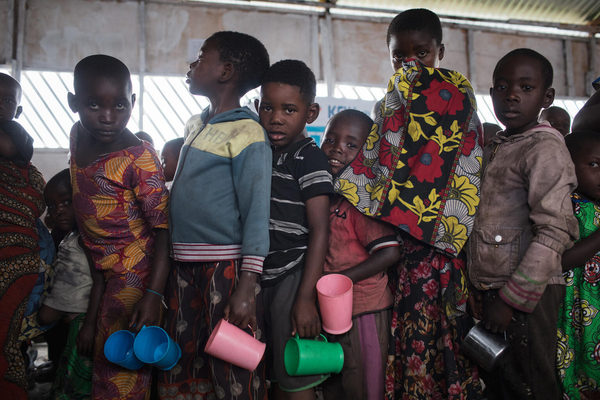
(525, 219)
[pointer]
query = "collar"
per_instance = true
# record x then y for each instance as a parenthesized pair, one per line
(294, 151)
(543, 126)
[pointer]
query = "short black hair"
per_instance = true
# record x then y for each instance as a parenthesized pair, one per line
(546, 68)
(295, 73)
(174, 143)
(416, 19)
(100, 65)
(579, 141)
(63, 176)
(356, 115)
(6, 79)
(246, 53)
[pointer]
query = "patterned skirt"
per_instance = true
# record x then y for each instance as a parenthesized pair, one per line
(428, 325)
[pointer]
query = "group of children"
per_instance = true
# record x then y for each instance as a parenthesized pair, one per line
(431, 229)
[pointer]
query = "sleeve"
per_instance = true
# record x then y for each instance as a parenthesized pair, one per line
(150, 189)
(313, 174)
(551, 179)
(252, 184)
(373, 234)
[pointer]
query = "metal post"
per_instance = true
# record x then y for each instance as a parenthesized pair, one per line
(142, 61)
(471, 58)
(591, 74)
(569, 74)
(17, 62)
(327, 54)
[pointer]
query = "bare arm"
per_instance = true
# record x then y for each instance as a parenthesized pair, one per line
(146, 310)
(85, 338)
(305, 318)
(581, 252)
(376, 263)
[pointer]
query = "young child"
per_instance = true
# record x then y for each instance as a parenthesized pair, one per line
(419, 171)
(361, 248)
(299, 223)
(69, 295)
(120, 201)
(170, 157)
(219, 221)
(578, 324)
(21, 204)
(524, 223)
(559, 119)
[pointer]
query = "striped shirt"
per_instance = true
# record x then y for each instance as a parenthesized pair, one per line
(299, 174)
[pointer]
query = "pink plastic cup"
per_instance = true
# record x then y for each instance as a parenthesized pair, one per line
(335, 302)
(229, 343)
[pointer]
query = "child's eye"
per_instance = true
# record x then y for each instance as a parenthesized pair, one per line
(500, 87)
(352, 145)
(93, 106)
(397, 57)
(593, 165)
(8, 101)
(327, 140)
(67, 203)
(527, 88)
(51, 207)
(120, 106)
(265, 108)
(422, 54)
(290, 110)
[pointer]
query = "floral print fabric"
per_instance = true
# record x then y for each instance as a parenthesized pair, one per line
(428, 325)
(578, 349)
(420, 166)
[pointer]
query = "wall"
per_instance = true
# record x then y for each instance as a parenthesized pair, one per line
(58, 33)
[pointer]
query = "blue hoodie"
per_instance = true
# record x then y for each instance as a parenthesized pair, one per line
(219, 204)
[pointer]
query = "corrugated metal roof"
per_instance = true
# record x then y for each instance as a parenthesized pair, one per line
(578, 12)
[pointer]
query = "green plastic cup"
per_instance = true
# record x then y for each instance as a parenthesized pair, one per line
(312, 357)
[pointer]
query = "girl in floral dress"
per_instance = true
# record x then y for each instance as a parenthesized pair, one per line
(420, 171)
(578, 358)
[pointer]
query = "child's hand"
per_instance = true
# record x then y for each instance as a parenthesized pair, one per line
(475, 303)
(241, 307)
(85, 340)
(305, 318)
(497, 315)
(145, 312)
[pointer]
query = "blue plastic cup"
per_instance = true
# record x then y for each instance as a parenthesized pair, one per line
(154, 346)
(118, 349)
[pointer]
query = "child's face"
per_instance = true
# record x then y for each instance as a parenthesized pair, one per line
(9, 102)
(283, 113)
(60, 208)
(104, 106)
(415, 44)
(343, 139)
(587, 168)
(518, 93)
(169, 162)
(206, 71)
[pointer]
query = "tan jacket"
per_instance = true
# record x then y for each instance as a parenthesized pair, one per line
(525, 219)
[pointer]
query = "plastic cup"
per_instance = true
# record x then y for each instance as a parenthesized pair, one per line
(335, 302)
(230, 343)
(154, 346)
(312, 357)
(118, 349)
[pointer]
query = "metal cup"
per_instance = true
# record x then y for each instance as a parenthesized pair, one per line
(484, 347)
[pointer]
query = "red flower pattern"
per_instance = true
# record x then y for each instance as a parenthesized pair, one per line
(387, 153)
(470, 142)
(431, 288)
(426, 165)
(418, 345)
(359, 167)
(407, 221)
(394, 122)
(444, 98)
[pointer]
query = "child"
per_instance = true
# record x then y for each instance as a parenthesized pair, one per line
(120, 200)
(578, 324)
(21, 204)
(524, 223)
(170, 157)
(69, 295)
(361, 248)
(419, 171)
(299, 224)
(219, 221)
(559, 119)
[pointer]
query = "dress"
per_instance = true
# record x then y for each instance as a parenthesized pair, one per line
(419, 170)
(118, 200)
(578, 325)
(21, 204)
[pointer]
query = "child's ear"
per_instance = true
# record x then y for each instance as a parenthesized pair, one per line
(227, 72)
(313, 113)
(549, 97)
(72, 100)
(18, 112)
(256, 104)
(133, 99)
(441, 52)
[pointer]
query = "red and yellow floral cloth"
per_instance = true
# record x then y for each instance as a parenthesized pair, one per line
(420, 167)
(118, 200)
